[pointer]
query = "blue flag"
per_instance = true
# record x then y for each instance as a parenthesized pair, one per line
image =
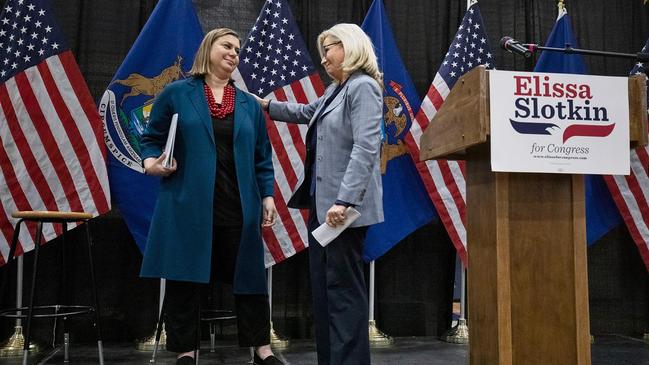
(601, 213)
(163, 52)
(405, 201)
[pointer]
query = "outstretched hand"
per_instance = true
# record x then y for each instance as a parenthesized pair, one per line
(262, 102)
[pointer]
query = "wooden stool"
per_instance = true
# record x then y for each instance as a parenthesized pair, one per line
(53, 311)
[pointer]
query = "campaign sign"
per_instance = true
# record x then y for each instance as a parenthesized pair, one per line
(559, 123)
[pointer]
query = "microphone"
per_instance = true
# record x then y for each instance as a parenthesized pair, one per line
(513, 46)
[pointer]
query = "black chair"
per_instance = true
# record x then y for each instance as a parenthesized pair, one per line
(207, 315)
(55, 310)
(213, 316)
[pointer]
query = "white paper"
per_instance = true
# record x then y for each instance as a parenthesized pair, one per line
(325, 233)
(171, 140)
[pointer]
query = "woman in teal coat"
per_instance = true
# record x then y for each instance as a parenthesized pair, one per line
(207, 221)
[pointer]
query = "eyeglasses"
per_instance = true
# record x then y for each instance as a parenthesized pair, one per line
(331, 44)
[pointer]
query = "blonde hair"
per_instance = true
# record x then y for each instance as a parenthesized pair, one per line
(359, 51)
(201, 66)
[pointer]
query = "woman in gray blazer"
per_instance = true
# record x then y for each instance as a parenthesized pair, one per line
(341, 170)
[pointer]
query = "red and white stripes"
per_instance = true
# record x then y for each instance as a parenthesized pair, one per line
(52, 155)
(289, 235)
(444, 179)
(631, 195)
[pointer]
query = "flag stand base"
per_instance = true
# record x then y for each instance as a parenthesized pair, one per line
(378, 338)
(14, 345)
(148, 343)
(458, 334)
(276, 341)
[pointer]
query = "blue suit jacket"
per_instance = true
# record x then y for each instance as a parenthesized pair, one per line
(179, 244)
(348, 148)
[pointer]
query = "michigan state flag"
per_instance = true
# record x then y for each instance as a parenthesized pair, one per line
(601, 213)
(163, 53)
(405, 202)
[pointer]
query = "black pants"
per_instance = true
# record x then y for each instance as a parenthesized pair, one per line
(182, 300)
(340, 307)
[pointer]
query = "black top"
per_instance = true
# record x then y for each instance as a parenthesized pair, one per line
(227, 201)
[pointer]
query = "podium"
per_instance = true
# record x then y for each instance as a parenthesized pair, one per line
(526, 233)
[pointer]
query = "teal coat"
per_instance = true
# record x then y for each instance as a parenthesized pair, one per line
(179, 245)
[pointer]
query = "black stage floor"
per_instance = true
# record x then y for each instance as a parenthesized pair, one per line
(607, 350)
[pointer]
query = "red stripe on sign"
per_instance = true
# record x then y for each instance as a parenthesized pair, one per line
(76, 140)
(50, 145)
(586, 130)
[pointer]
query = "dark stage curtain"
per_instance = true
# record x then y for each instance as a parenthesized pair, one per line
(415, 279)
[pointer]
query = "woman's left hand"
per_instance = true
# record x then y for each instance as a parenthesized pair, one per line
(270, 212)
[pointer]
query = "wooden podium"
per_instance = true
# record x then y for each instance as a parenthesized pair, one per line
(526, 233)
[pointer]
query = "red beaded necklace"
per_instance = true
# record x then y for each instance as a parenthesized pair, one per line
(226, 107)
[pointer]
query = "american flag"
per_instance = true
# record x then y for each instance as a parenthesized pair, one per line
(274, 63)
(445, 179)
(631, 192)
(52, 155)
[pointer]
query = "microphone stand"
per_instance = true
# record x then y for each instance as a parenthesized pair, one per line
(639, 57)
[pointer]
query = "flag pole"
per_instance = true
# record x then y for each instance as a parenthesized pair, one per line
(377, 338)
(148, 343)
(645, 337)
(14, 345)
(275, 341)
(460, 333)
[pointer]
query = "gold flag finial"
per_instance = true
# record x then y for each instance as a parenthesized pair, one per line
(562, 6)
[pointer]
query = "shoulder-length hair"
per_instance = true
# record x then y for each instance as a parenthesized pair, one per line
(359, 51)
(201, 66)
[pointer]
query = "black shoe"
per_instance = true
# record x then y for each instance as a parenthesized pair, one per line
(185, 360)
(270, 360)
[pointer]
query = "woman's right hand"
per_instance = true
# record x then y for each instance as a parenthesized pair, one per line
(155, 166)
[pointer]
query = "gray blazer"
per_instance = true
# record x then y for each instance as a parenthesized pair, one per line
(348, 148)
